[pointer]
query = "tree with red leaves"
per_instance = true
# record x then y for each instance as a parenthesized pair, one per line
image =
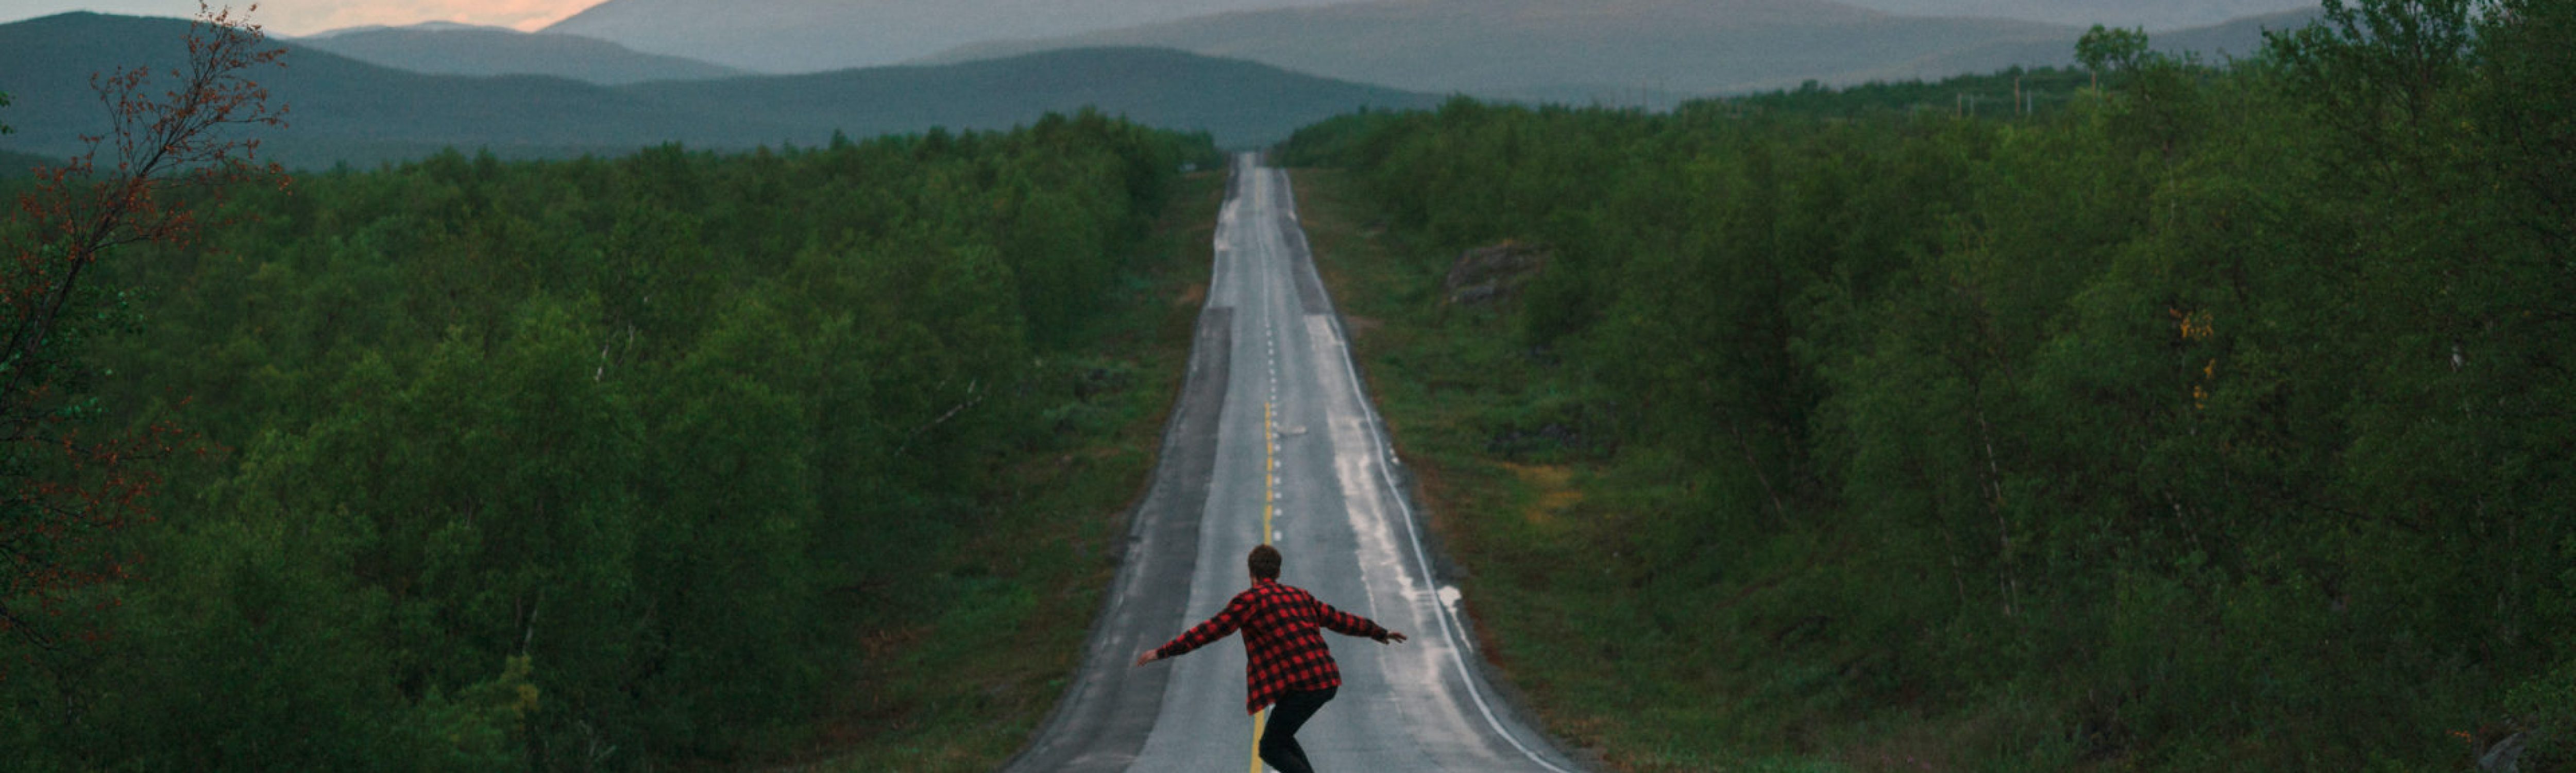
(66, 488)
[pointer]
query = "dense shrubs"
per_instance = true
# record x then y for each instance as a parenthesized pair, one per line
(576, 465)
(2224, 414)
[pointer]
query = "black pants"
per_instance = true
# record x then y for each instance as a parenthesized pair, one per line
(1279, 738)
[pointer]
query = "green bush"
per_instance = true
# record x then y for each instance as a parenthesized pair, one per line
(597, 464)
(2217, 420)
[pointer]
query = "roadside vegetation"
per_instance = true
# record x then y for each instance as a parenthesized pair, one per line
(678, 459)
(2218, 419)
(958, 680)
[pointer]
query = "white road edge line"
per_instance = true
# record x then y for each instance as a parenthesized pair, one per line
(1377, 426)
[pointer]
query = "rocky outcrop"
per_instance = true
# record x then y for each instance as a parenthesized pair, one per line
(1493, 273)
(2506, 756)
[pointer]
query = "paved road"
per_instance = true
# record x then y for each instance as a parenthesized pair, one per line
(1273, 423)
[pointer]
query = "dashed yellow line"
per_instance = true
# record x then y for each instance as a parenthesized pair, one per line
(1269, 473)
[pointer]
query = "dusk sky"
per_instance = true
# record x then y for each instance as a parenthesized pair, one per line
(304, 17)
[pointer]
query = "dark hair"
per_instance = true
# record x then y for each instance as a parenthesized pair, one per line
(1264, 562)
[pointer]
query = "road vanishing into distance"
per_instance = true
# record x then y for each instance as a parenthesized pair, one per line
(1274, 433)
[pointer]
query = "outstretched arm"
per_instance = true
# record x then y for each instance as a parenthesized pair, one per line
(1348, 624)
(1218, 627)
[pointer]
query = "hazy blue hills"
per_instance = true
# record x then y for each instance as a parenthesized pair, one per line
(1566, 49)
(1239, 102)
(462, 50)
(2155, 15)
(14, 164)
(344, 109)
(2241, 38)
(2237, 39)
(1584, 50)
(814, 35)
(792, 36)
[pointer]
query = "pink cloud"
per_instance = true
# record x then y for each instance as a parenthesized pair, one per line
(305, 17)
(299, 17)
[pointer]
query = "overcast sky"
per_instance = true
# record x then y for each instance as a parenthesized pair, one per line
(305, 17)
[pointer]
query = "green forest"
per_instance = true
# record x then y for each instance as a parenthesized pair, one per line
(2219, 417)
(675, 459)
(2157, 414)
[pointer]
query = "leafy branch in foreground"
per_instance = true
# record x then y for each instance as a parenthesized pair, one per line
(63, 492)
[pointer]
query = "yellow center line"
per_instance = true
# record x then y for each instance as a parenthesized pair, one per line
(1256, 739)
(1269, 472)
(1269, 501)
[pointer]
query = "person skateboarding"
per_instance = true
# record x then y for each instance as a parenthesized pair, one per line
(1288, 664)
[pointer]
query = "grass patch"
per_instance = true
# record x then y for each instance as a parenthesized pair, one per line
(961, 678)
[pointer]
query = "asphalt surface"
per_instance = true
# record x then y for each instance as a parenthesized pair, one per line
(1272, 413)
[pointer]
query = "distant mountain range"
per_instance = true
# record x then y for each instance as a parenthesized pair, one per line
(1618, 51)
(347, 110)
(814, 35)
(1588, 50)
(435, 86)
(2238, 39)
(457, 49)
(2154, 15)
(427, 26)
(13, 165)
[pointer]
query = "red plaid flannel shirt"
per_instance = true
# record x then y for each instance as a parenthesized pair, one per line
(1286, 651)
